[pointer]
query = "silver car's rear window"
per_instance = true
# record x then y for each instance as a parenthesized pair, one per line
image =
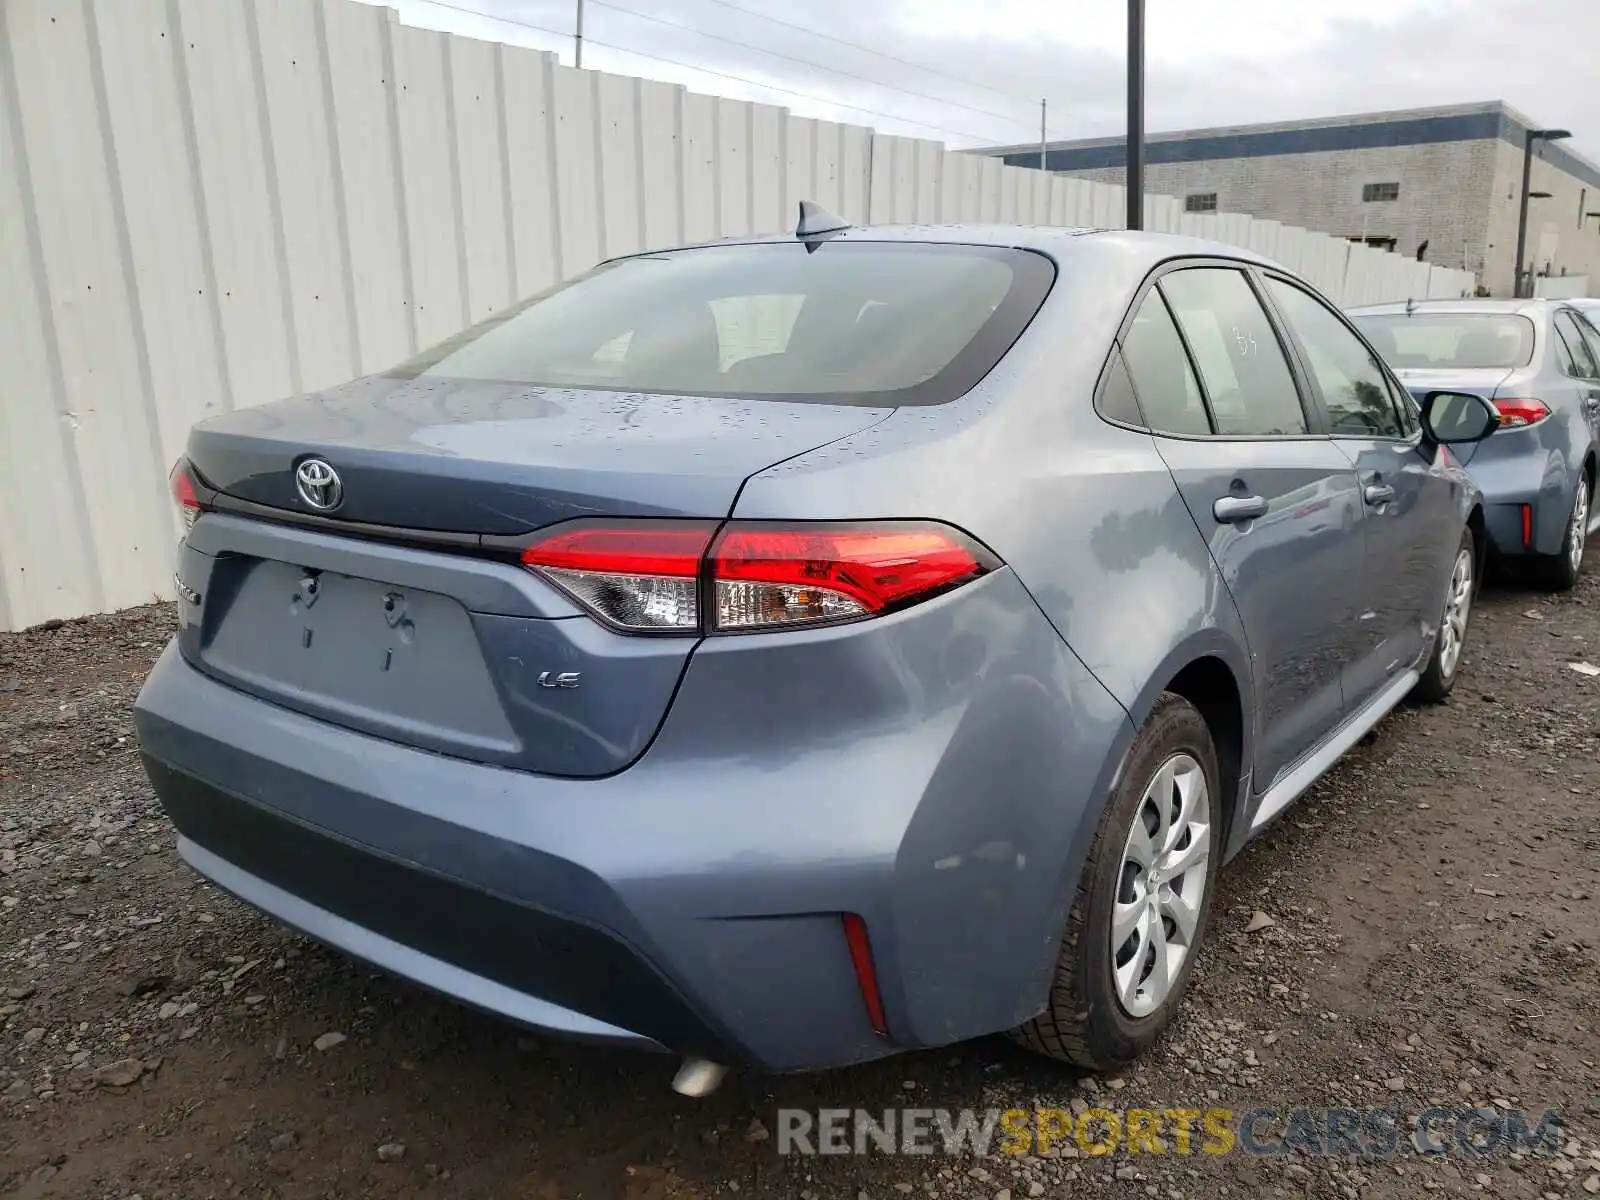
(1459, 341)
(887, 323)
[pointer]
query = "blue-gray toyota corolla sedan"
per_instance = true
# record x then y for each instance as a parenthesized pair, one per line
(1538, 361)
(792, 651)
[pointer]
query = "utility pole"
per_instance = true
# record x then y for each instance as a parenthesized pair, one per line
(1042, 166)
(577, 39)
(1532, 136)
(1135, 114)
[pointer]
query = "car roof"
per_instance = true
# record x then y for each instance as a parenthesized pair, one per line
(1527, 308)
(1138, 249)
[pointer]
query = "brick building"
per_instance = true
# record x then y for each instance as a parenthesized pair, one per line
(1446, 177)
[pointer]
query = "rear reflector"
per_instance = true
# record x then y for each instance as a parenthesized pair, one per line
(648, 576)
(1519, 413)
(855, 934)
(183, 493)
(1527, 526)
(643, 577)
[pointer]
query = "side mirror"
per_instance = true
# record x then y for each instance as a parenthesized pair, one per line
(1454, 418)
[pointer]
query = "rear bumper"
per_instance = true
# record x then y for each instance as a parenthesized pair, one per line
(939, 783)
(489, 951)
(1519, 473)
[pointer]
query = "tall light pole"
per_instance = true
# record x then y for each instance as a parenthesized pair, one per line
(1135, 114)
(577, 39)
(1532, 136)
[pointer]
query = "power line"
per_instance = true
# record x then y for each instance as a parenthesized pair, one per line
(756, 83)
(828, 37)
(806, 62)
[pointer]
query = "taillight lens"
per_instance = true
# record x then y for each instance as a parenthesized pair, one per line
(772, 576)
(644, 578)
(649, 576)
(1520, 413)
(183, 493)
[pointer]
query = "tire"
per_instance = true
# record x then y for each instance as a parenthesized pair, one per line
(1086, 1021)
(1560, 571)
(1449, 644)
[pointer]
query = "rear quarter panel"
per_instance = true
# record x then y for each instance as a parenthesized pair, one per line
(1538, 465)
(1085, 513)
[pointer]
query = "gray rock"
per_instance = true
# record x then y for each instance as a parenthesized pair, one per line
(122, 1073)
(391, 1152)
(284, 1141)
(328, 1041)
(17, 1091)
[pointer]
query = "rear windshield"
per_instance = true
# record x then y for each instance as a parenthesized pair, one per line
(1462, 341)
(838, 323)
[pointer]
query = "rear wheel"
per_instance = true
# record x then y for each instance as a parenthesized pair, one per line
(1561, 570)
(1451, 640)
(1137, 921)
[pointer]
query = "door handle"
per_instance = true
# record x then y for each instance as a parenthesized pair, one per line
(1233, 510)
(1377, 494)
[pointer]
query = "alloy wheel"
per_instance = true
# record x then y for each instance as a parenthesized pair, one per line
(1457, 609)
(1579, 530)
(1156, 917)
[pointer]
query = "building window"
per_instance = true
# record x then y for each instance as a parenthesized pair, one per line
(1380, 191)
(1200, 202)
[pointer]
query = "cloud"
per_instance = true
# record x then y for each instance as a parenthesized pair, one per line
(986, 65)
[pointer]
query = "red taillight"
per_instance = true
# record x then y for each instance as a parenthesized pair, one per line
(642, 577)
(855, 935)
(1519, 413)
(183, 492)
(647, 576)
(769, 576)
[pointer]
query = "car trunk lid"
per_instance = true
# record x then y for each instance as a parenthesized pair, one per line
(1480, 381)
(443, 644)
(490, 458)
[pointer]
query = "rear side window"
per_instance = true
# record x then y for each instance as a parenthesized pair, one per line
(1168, 393)
(1246, 377)
(1352, 383)
(1591, 338)
(1116, 399)
(1576, 360)
(887, 323)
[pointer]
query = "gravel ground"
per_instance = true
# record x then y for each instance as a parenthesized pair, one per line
(1432, 941)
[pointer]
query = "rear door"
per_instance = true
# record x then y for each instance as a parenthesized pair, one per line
(1411, 525)
(1275, 499)
(1583, 362)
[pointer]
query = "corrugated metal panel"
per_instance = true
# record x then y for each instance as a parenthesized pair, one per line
(206, 204)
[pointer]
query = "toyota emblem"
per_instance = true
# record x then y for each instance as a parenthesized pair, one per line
(319, 484)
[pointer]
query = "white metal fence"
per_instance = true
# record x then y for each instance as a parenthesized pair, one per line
(206, 204)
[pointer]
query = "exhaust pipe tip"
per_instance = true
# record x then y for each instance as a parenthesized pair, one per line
(698, 1077)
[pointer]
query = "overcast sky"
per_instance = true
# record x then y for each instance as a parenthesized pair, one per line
(971, 72)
